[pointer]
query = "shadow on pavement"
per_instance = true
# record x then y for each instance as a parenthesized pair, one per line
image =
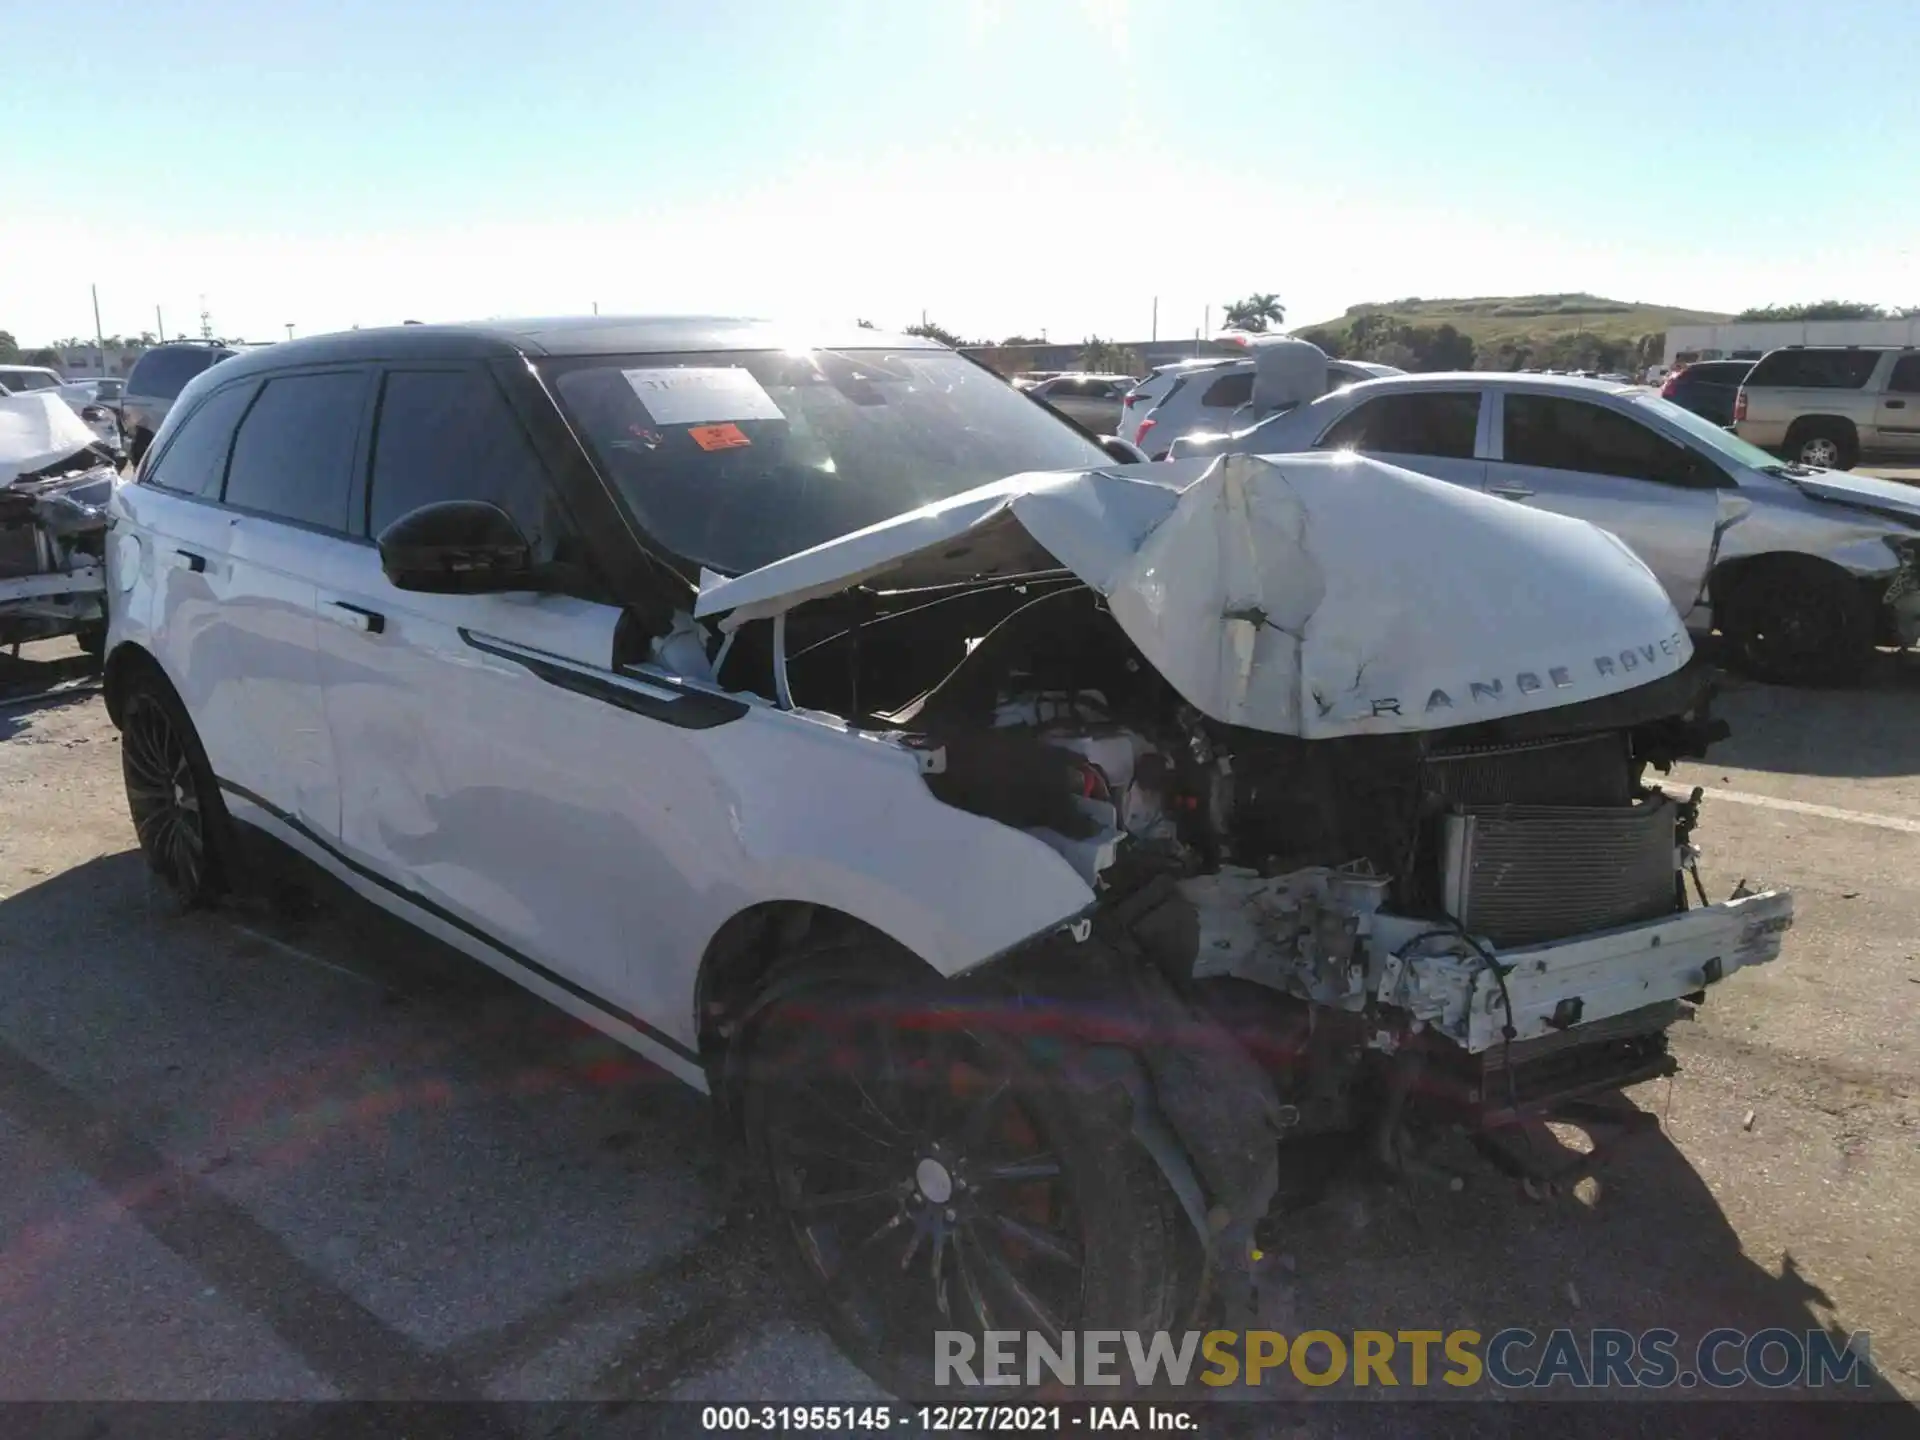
(35, 681)
(1648, 1246)
(1863, 731)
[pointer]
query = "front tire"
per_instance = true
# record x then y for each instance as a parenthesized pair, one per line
(1793, 620)
(178, 815)
(933, 1175)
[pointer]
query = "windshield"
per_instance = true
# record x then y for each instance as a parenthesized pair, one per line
(1722, 442)
(737, 459)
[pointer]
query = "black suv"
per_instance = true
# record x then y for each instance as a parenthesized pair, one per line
(158, 377)
(1707, 388)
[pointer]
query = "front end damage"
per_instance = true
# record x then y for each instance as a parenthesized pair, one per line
(1358, 768)
(55, 482)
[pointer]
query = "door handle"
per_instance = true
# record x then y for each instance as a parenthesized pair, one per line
(187, 560)
(1512, 492)
(354, 617)
(1896, 404)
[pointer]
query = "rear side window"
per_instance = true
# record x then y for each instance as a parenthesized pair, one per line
(1906, 375)
(1174, 389)
(450, 435)
(165, 373)
(293, 457)
(1557, 434)
(1441, 423)
(1815, 369)
(1716, 374)
(196, 457)
(1229, 392)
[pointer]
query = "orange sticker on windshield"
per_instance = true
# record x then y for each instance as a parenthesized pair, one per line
(718, 437)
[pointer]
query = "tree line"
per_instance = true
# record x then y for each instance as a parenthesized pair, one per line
(1831, 310)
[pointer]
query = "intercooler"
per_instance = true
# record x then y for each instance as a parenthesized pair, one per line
(1546, 841)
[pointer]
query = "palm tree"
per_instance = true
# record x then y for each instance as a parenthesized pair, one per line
(1255, 313)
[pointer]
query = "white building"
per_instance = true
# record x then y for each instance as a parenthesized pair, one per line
(1749, 340)
(85, 362)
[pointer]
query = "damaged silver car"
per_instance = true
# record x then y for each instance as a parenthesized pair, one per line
(1802, 572)
(56, 478)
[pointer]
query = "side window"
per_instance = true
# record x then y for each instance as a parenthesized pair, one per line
(450, 435)
(195, 459)
(293, 457)
(1229, 392)
(1440, 423)
(165, 373)
(1816, 369)
(1906, 375)
(1557, 434)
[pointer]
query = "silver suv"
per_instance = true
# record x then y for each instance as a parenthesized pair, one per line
(157, 378)
(1822, 405)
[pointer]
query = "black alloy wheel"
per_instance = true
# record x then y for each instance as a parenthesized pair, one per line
(178, 817)
(934, 1178)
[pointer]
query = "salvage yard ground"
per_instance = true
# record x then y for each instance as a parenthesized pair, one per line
(255, 1158)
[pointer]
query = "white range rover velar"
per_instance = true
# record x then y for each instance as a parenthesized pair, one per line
(1023, 846)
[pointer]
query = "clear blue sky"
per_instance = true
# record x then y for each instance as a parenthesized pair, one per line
(1005, 164)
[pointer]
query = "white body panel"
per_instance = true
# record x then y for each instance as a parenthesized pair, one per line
(588, 850)
(221, 601)
(36, 430)
(1257, 586)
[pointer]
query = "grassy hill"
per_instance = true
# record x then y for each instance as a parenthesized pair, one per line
(1500, 325)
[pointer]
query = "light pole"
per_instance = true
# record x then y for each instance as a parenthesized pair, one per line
(289, 329)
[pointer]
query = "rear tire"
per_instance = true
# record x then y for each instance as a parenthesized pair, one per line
(1793, 620)
(1823, 444)
(178, 815)
(933, 1174)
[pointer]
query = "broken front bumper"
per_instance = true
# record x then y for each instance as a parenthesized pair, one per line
(1471, 995)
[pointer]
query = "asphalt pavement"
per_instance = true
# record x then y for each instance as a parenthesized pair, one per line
(252, 1157)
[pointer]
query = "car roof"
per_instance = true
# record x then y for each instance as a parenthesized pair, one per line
(1504, 379)
(564, 336)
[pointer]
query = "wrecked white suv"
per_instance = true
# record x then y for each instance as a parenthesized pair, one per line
(56, 477)
(1022, 847)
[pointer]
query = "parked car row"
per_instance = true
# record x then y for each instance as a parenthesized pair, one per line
(95, 401)
(1802, 571)
(1206, 395)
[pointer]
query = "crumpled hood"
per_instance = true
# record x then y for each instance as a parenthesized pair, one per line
(1310, 595)
(1884, 497)
(37, 429)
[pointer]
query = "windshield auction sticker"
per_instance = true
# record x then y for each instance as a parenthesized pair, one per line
(702, 395)
(719, 437)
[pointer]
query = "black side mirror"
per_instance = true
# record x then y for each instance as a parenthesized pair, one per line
(457, 547)
(1125, 451)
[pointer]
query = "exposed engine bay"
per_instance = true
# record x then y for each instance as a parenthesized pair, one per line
(1329, 776)
(1384, 887)
(56, 478)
